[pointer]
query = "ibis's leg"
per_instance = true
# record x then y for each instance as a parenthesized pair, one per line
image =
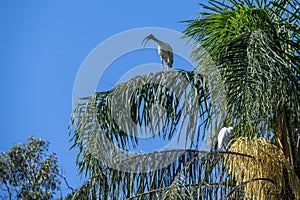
(162, 63)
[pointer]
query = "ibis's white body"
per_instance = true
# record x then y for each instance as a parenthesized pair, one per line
(224, 135)
(165, 50)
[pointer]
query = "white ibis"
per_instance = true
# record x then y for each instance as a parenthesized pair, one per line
(224, 135)
(164, 49)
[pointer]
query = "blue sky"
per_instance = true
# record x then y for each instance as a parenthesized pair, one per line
(43, 44)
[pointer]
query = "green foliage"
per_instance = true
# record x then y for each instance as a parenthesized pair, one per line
(248, 76)
(255, 48)
(252, 64)
(99, 133)
(136, 102)
(27, 172)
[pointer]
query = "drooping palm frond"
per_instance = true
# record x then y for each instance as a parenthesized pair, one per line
(150, 104)
(183, 178)
(105, 154)
(107, 126)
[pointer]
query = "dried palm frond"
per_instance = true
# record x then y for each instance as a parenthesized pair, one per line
(269, 167)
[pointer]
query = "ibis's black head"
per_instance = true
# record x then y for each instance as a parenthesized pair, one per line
(149, 37)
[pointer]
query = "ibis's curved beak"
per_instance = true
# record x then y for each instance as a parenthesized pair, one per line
(144, 42)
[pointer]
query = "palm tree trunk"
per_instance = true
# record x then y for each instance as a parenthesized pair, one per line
(293, 128)
(282, 136)
(286, 139)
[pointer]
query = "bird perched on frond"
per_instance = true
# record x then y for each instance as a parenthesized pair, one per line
(164, 49)
(224, 135)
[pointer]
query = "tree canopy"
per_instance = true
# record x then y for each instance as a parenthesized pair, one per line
(27, 172)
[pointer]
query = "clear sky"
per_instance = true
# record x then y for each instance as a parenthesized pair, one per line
(43, 44)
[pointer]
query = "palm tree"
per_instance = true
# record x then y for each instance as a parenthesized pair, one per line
(248, 77)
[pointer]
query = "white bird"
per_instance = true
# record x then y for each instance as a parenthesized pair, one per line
(224, 135)
(164, 49)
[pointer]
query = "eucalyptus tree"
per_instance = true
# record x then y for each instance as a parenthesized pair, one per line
(27, 172)
(247, 76)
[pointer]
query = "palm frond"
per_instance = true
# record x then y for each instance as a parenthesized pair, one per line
(183, 177)
(252, 71)
(155, 101)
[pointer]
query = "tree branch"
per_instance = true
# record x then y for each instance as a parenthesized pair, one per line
(66, 181)
(200, 153)
(181, 186)
(246, 182)
(8, 190)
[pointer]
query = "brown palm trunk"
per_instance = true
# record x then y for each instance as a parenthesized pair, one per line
(286, 134)
(282, 138)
